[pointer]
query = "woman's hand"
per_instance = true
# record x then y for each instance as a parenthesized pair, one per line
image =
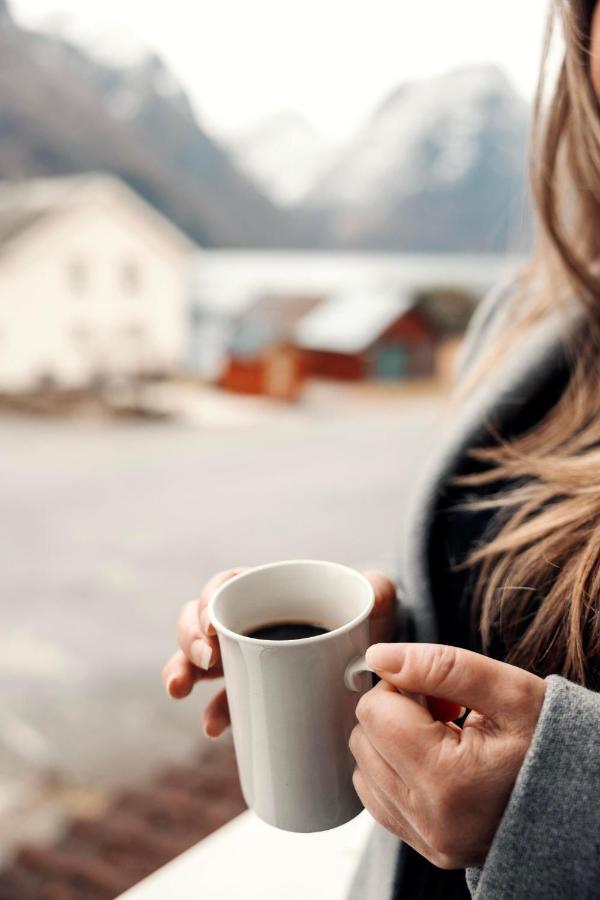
(440, 788)
(198, 657)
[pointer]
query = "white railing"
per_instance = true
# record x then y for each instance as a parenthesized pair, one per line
(248, 860)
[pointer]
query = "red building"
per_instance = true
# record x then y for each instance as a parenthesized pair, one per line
(261, 359)
(277, 372)
(370, 334)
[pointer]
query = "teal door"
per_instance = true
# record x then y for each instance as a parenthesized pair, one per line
(390, 362)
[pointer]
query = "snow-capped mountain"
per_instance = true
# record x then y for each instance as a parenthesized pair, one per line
(66, 111)
(284, 154)
(115, 49)
(440, 165)
(107, 44)
(424, 134)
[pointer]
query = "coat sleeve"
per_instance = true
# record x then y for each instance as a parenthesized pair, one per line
(547, 846)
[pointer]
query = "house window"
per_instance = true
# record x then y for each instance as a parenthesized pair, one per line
(81, 335)
(130, 277)
(78, 277)
(134, 332)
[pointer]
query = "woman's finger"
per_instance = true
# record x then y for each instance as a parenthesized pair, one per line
(469, 679)
(209, 589)
(380, 773)
(216, 715)
(179, 676)
(401, 729)
(201, 650)
(383, 617)
(207, 628)
(371, 802)
(382, 811)
(196, 635)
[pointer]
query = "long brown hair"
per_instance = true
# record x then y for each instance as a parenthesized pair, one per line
(538, 585)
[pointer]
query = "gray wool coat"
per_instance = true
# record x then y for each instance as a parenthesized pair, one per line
(547, 846)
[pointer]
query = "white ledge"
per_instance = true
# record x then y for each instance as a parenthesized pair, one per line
(248, 860)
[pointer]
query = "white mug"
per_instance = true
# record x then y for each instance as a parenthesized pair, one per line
(292, 702)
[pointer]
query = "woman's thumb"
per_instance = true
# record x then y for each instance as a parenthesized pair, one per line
(460, 676)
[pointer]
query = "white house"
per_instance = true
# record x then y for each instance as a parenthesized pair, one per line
(94, 282)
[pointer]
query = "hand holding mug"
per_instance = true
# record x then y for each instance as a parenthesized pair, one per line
(440, 788)
(291, 643)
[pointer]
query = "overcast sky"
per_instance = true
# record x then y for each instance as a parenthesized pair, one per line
(331, 60)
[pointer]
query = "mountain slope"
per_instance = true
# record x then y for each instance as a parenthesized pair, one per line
(63, 112)
(440, 166)
(284, 154)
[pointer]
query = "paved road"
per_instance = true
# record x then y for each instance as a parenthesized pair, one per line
(106, 530)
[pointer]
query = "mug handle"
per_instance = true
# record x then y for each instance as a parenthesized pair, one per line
(354, 682)
(353, 673)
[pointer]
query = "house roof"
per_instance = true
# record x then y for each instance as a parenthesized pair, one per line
(350, 321)
(14, 221)
(269, 320)
(26, 203)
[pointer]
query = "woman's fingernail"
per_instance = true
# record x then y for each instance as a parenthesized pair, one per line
(385, 657)
(371, 656)
(201, 654)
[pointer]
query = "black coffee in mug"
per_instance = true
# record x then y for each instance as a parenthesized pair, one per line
(286, 631)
